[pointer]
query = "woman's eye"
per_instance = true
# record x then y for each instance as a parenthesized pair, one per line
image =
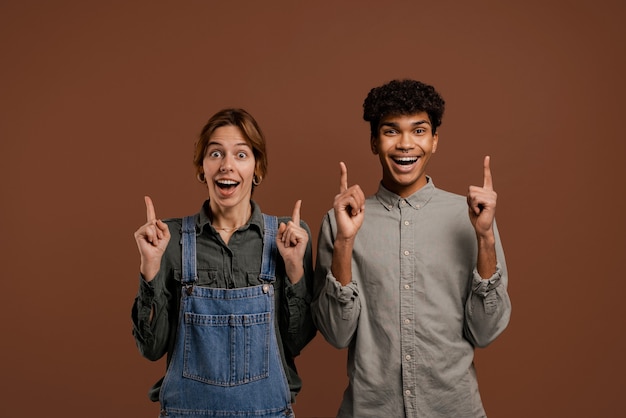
(241, 155)
(215, 154)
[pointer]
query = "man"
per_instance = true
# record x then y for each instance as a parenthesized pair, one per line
(406, 279)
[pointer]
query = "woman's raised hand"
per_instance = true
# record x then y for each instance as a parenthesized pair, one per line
(292, 241)
(152, 239)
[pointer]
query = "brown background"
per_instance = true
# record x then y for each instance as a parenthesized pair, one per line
(101, 103)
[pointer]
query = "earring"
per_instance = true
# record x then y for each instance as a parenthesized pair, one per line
(201, 178)
(256, 180)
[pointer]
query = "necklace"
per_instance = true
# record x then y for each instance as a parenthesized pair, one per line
(234, 228)
(219, 228)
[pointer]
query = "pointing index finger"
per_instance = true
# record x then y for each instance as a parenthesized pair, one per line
(343, 183)
(150, 214)
(487, 179)
(296, 213)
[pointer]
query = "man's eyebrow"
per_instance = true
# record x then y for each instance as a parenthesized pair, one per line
(395, 125)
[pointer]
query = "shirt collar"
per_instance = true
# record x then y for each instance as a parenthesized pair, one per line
(417, 200)
(256, 218)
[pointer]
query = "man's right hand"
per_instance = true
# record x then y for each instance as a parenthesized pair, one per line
(152, 239)
(349, 207)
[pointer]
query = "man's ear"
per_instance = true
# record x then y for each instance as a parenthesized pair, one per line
(435, 142)
(374, 145)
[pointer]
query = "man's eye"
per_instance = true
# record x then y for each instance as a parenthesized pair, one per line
(420, 130)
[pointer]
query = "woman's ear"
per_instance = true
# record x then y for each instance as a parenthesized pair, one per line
(257, 178)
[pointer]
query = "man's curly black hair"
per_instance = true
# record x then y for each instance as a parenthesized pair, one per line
(402, 97)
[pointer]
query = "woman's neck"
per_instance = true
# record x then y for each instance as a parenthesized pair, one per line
(230, 219)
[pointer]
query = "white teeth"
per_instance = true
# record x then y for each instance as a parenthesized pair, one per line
(405, 160)
(227, 182)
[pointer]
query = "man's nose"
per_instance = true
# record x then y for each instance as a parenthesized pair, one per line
(405, 142)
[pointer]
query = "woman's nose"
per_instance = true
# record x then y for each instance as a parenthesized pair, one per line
(226, 164)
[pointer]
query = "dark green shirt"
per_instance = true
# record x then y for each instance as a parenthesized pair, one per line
(235, 265)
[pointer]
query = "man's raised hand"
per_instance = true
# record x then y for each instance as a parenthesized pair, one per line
(349, 206)
(481, 202)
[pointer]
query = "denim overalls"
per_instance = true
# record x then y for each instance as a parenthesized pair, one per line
(226, 360)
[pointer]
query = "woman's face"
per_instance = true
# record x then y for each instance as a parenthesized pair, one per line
(229, 166)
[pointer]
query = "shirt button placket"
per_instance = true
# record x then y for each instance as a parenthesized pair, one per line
(407, 298)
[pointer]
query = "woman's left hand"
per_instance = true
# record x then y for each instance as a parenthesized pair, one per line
(292, 241)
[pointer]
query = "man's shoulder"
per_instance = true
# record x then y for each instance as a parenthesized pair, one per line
(448, 204)
(447, 195)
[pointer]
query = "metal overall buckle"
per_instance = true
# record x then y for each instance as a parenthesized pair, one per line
(188, 288)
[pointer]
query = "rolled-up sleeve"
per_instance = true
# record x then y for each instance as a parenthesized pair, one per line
(335, 307)
(488, 308)
(150, 318)
(298, 296)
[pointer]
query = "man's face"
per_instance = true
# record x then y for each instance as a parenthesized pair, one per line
(404, 145)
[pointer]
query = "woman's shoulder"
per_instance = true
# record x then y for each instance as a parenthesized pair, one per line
(285, 219)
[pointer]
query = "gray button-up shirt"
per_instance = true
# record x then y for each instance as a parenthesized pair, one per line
(415, 309)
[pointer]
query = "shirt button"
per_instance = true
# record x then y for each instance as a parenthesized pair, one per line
(408, 357)
(406, 252)
(407, 321)
(407, 287)
(406, 223)
(407, 392)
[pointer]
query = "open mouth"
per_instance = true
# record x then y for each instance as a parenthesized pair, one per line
(405, 160)
(226, 184)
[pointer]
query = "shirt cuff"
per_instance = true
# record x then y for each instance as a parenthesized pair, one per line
(483, 287)
(298, 290)
(344, 294)
(146, 288)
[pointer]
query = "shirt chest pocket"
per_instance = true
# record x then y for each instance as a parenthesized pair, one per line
(206, 277)
(253, 279)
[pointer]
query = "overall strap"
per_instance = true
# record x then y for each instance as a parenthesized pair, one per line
(270, 251)
(188, 241)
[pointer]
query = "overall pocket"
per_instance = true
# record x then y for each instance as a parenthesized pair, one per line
(227, 350)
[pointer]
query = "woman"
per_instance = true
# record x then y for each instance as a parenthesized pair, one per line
(225, 293)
